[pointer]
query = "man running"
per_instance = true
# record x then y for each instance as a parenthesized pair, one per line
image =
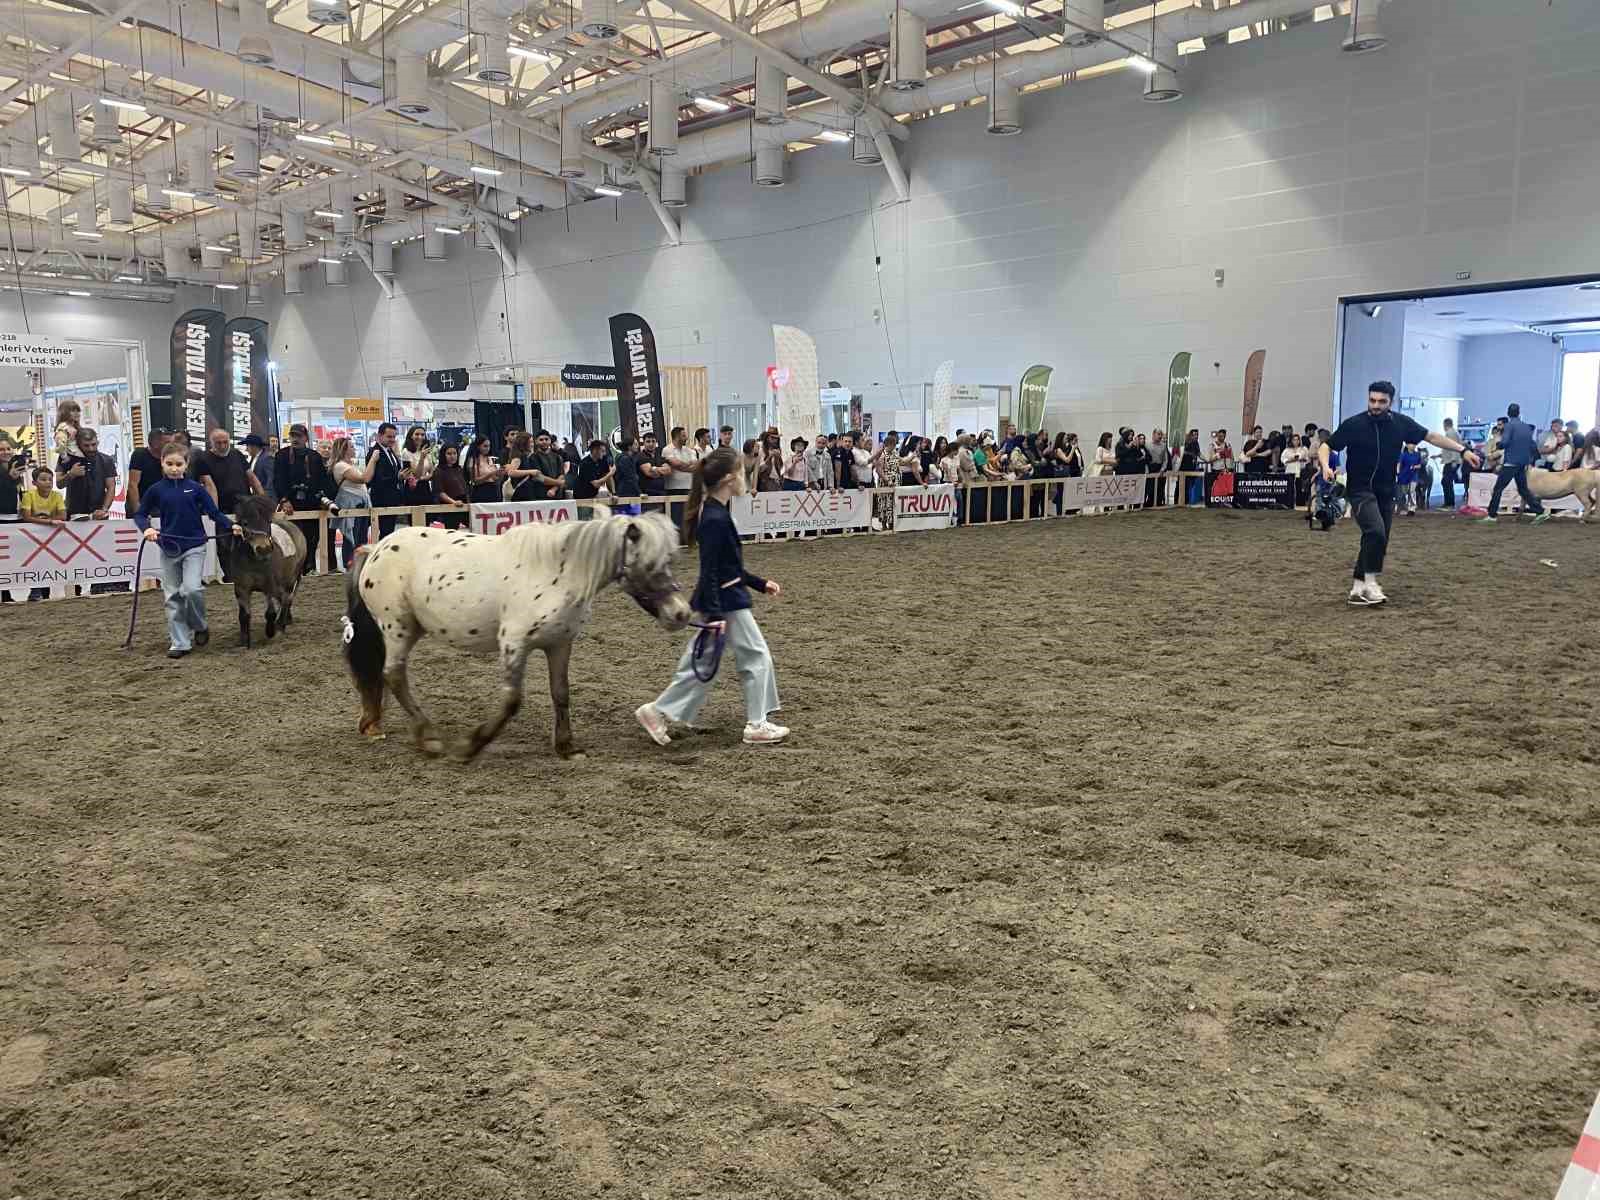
(1516, 444)
(1371, 443)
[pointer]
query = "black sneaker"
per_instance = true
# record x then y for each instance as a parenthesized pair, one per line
(176, 653)
(201, 637)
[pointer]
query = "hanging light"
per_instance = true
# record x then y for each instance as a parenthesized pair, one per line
(833, 135)
(663, 119)
(712, 104)
(411, 84)
(1162, 86)
(532, 53)
(226, 287)
(908, 51)
(771, 153)
(607, 189)
(315, 139)
(864, 150)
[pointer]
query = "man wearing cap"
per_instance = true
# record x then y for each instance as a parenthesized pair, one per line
(261, 464)
(300, 480)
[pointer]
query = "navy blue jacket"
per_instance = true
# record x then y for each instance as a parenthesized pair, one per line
(724, 583)
(1517, 441)
(179, 503)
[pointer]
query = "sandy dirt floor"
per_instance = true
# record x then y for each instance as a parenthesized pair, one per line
(1115, 858)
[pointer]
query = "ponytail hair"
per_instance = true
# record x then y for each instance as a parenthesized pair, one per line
(708, 474)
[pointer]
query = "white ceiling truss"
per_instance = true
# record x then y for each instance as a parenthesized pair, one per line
(226, 142)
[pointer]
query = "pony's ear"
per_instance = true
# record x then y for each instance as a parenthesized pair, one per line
(634, 532)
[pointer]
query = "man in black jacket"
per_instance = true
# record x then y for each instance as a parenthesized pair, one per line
(300, 479)
(383, 469)
(1371, 442)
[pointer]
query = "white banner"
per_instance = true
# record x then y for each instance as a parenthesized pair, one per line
(497, 518)
(801, 512)
(76, 553)
(799, 400)
(925, 507)
(939, 400)
(1481, 487)
(25, 350)
(1101, 491)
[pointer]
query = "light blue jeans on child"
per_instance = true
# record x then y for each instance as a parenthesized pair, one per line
(184, 589)
(685, 694)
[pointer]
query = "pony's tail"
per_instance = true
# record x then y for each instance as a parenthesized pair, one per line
(364, 650)
(695, 502)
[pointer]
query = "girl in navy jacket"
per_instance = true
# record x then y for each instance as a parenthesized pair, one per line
(722, 597)
(180, 502)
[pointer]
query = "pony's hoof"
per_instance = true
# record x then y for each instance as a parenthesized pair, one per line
(570, 753)
(465, 750)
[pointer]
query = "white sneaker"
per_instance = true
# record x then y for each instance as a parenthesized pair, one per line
(764, 734)
(654, 724)
(1364, 596)
(1375, 594)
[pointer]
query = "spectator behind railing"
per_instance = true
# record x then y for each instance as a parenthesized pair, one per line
(13, 483)
(626, 484)
(418, 461)
(69, 418)
(795, 470)
(384, 482)
(450, 485)
(301, 481)
(485, 477)
(351, 480)
(144, 468)
(43, 505)
(1257, 456)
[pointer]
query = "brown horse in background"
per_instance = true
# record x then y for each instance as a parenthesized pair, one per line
(266, 559)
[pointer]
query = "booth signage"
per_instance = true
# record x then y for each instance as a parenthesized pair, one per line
(452, 380)
(931, 507)
(498, 518)
(633, 349)
(362, 408)
(801, 512)
(25, 350)
(577, 375)
(198, 387)
(249, 398)
(1263, 491)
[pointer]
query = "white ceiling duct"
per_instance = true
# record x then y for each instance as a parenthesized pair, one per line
(213, 258)
(771, 153)
(674, 186)
(63, 121)
(335, 274)
(85, 204)
(294, 229)
(344, 203)
(572, 164)
(1365, 35)
(255, 47)
(598, 20)
(1086, 22)
(25, 154)
(411, 84)
(249, 235)
(1005, 111)
(864, 150)
(293, 285)
(1161, 86)
(202, 179)
(254, 294)
(908, 50)
(394, 202)
(175, 261)
(772, 93)
(382, 256)
(246, 157)
(663, 119)
(328, 12)
(120, 197)
(432, 245)
(480, 236)
(106, 133)
(492, 53)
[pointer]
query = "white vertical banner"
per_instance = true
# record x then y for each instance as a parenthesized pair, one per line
(939, 401)
(799, 395)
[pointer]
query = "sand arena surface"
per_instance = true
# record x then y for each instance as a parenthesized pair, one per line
(1112, 858)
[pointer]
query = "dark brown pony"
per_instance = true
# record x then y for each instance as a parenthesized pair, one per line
(258, 563)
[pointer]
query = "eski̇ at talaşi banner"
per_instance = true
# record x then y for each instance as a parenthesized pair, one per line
(1178, 399)
(633, 348)
(198, 387)
(249, 397)
(1031, 398)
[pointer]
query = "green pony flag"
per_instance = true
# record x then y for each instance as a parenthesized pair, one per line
(1033, 393)
(1178, 399)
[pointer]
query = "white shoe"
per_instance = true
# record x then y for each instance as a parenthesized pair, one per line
(1375, 594)
(764, 734)
(653, 723)
(1359, 596)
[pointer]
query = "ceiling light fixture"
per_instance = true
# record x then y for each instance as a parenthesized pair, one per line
(92, 234)
(1140, 63)
(486, 171)
(1010, 7)
(528, 52)
(315, 139)
(450, 229)
(119, 102)
(227, 287)
(834, 135)
(76, 292)
(607, 189)
(17, 171)
(129, 279)
(711, 104)
(1589, 287)
(321, 258)
(215, 246)
(178, 192)
(326, 212)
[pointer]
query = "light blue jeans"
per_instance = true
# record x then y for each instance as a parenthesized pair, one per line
(685, 694)
(184, 589)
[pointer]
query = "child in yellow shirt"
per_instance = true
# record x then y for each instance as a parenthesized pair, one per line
(43, 505)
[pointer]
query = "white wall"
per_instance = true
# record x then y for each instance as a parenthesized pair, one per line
(1374, 349)
(1510, 368)
(1472, 143)
(1430, 365)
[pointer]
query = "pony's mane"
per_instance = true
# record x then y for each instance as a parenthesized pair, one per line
(592, 548)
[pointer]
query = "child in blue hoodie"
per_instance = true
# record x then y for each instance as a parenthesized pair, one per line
(1409, 470)
(180, 502)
